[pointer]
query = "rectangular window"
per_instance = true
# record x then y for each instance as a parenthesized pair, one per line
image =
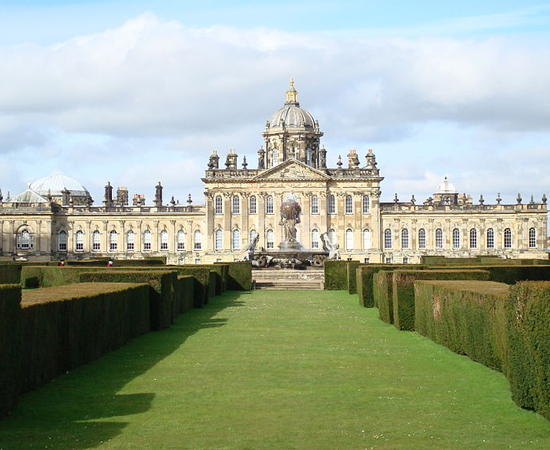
(130, 241)
(269, 204)
(314, 204)
(331, 204)
(349, 204)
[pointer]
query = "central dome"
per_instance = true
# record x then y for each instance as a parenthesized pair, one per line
(291, 115)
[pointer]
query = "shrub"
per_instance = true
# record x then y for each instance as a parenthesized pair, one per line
(468, 317)
(528, 365)
(403, 290)
(383, 294)
(10, 274)
(351, 275)
(186, 293)
(336, 275)
(10, 339)
(239, 276)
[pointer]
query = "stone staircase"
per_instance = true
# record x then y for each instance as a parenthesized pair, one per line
(288, 279)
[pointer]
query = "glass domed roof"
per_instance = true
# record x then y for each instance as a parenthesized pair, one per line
(55, 184)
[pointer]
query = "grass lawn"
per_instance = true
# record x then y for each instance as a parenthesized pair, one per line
(277, 370)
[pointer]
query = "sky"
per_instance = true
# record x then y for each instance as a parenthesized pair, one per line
(137, 92)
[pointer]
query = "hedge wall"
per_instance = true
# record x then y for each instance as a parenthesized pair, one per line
(48, 276)
(351, 275)
(528, 365)
(365, 280)
(468, 317)
(10, 274)
(186, 293)
(403, 290)
(162, 295)
(10, 339)
(336, 275)
(239, 276)
(63, 328)
(383, 294)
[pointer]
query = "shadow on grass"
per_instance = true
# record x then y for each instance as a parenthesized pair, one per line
(70, 412)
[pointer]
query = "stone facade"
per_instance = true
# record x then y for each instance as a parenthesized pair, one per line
(56, 219)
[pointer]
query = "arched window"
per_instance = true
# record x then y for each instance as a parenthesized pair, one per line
(314, 204)
(349, 204)
(113, 241)
(236, 240)
(269, 204)
(422, 238)
(507, 238)
(532, 238)
(218, 205)
(25, 240)
(315, 238)
(218, 239)
(147, 240)
(62, 241)
(236, 205)
(130, 241)
(252, 235)
(331, 204)
(349, 239)
(332, 236)
(270, 239)
(164, 240)
(96, 241)
(366, 204)
(490, 238)
(253, 209)
(367, 242)
(197, 238)
(404, 238)
(181, 240)
(388, 238)
(439, 238)
(473, 238)
(456, 238)
(79, 241)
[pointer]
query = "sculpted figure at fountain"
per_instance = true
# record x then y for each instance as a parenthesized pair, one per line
(290, 217)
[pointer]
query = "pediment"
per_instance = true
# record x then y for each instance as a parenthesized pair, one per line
(292, 169)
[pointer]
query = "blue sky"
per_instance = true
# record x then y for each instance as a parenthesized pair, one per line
(134, 92)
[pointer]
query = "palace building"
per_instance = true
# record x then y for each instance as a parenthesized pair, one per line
(55, 218)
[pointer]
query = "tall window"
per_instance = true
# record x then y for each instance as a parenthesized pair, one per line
(275, 157)
(147, 240)
(367, 242)
(79, 240)
(269, 204)
(164, 240)
(532, 238)
(218, 205)
(315, 238)
(473, 238)
(366, 204)
(309, 157)
(113, 241)
(253, 209)
(422, 238)
(96, 241)
(349, 239)
(197, 238)
(218, 239)
(270, 239)
(507, 238)
(456, 238)
(439, 238)
(314, 204)
(181, 240)
(62, 241)
(404, 238)
(130, 240)
(349, 204)
(236, 205)
(387, 238)
(236, 240)
(331, 204)
(25, 240)
(490, 238)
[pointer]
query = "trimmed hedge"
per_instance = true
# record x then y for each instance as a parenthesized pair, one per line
(365, 280)
(351, 276)
(10, 274)
(48, 276)
(403, 290)
(468, 317)
(383, 294)
(186, 293)
(10, 339)
(336, 275)
(239, 276)
(63, 328)
(162, 296)
(528, 365)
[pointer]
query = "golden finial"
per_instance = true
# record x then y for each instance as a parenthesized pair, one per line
(291, 94)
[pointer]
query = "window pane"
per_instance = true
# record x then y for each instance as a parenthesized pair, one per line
(349, 239)
(387, 238)
(366, 204)
(253, 205)
(422, 238)
(490, 238)
(405, 238)
(130, 236)
(349, 204)
(331, 204)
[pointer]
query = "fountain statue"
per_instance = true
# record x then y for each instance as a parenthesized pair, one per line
(290, 216)
(332, 249)
(250, 248)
